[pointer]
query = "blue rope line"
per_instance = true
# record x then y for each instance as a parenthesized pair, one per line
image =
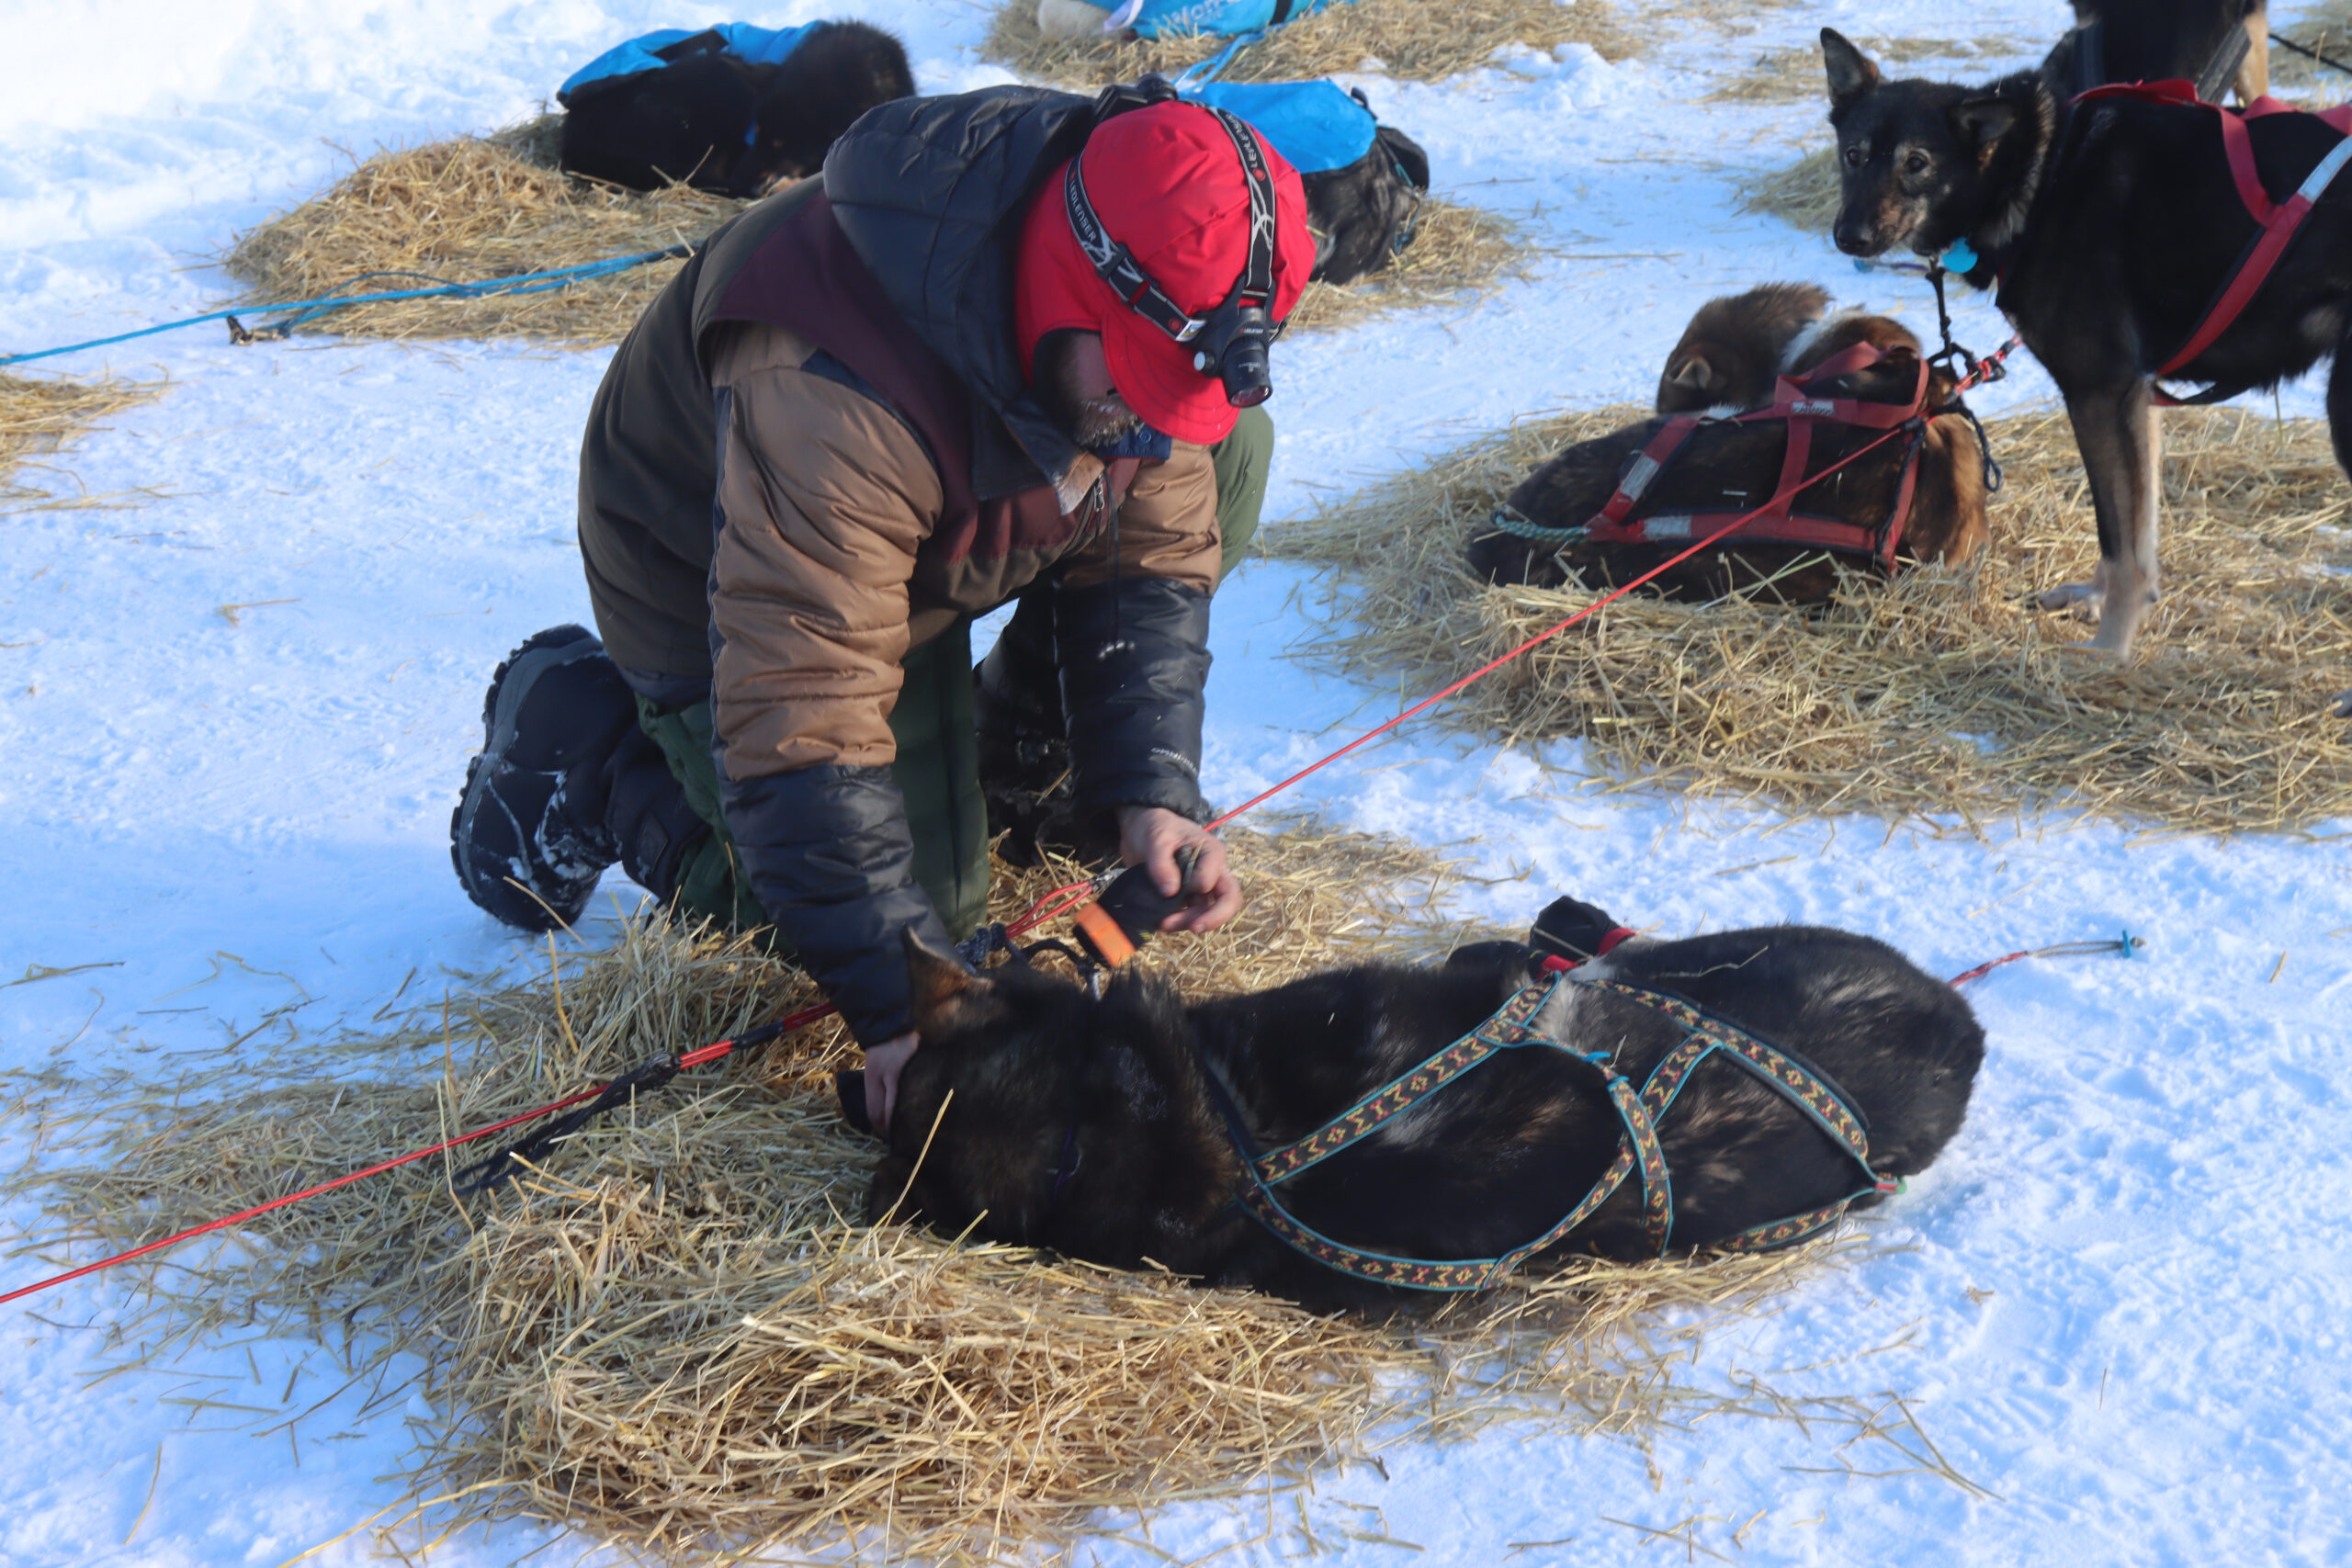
(309, 309)
(1204, 72)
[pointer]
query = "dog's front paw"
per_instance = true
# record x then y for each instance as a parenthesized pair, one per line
(2080, 600)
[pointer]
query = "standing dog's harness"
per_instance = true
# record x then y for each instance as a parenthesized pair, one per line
(2276, 222)
(1800, 1083)
(1801, 403)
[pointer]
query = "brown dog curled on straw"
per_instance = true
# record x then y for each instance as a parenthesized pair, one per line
(1039, 1115)
(1730, 361)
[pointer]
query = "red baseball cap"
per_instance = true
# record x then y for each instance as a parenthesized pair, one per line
(1168, 184)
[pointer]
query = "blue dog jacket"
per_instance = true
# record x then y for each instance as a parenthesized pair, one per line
(1225, 18)
(1317, 126)
(761, 46)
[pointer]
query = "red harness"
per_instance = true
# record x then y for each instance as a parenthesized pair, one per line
(1803, 404)
(2275, 221)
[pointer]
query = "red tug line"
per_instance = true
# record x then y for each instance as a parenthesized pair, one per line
(1064, 900)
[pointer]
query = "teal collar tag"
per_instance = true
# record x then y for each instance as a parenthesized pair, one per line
(1962, 257)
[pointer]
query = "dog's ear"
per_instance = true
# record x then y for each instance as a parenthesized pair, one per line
(1980, 122)
(1850, 72)
(948, 995)
(1142, 1010)
(1692, 372)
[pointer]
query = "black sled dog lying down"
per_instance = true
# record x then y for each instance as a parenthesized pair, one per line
(1364, 181)
(1419, 1129)
(2134, 234)
(1760, 394)
(708, 115)
(1364, 213)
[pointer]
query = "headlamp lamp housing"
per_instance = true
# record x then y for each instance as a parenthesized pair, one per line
(1234, 341)
(1231, 341)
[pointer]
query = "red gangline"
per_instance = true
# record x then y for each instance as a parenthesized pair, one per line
(244, 1215)
(1549, 632)
(1987, 967)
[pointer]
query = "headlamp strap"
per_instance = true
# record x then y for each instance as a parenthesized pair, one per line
(1117, 266)
(1258, 272)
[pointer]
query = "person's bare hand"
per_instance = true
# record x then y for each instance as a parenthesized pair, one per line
(884, 1063)
(1149, 837)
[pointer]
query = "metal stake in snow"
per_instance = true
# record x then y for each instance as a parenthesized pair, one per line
(2125, 944)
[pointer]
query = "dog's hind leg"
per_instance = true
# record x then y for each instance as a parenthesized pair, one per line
(2115, 430)
(2339, 398)
(2339, 429)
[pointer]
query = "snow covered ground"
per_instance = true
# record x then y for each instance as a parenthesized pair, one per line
(235, 717)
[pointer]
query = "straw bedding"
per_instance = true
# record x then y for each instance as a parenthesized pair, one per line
(491, 206)
(1459, 253)
(2327, 28)
(1805, 194)
(1408, 38)
(672, 1339)
(41, 416)
(1944, 697)
(463, 211)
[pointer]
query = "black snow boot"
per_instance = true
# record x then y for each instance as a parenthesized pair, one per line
(529, 837)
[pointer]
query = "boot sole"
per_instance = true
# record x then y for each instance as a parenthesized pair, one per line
(540, 652)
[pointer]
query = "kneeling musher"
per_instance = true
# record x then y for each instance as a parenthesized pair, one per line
(1009, 347)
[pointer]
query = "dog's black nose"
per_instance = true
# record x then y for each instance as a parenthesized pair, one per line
(850, 1084)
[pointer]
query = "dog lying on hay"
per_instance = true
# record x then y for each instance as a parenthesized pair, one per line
(1612, 508)
(1738, 346)
(1364, 213)
(1114, 1129)
(1364, 181)
(722, 123)
(2126, 247)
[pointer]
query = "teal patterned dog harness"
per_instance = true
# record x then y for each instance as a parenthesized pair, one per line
(1638, 1149)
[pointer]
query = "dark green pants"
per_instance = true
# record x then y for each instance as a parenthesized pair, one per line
(938, 763)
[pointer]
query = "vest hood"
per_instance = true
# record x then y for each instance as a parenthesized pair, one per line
(929, 193)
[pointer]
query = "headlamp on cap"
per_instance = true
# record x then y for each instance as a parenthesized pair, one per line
(1231, 341)
(1233, 345)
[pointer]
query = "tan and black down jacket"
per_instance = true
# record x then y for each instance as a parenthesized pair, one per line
(816, 451)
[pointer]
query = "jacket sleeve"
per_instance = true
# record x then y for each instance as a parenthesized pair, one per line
(1131, 633)
(823, 497)
(832, 858)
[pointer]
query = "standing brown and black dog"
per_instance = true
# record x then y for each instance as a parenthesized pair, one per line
(2108, 226)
